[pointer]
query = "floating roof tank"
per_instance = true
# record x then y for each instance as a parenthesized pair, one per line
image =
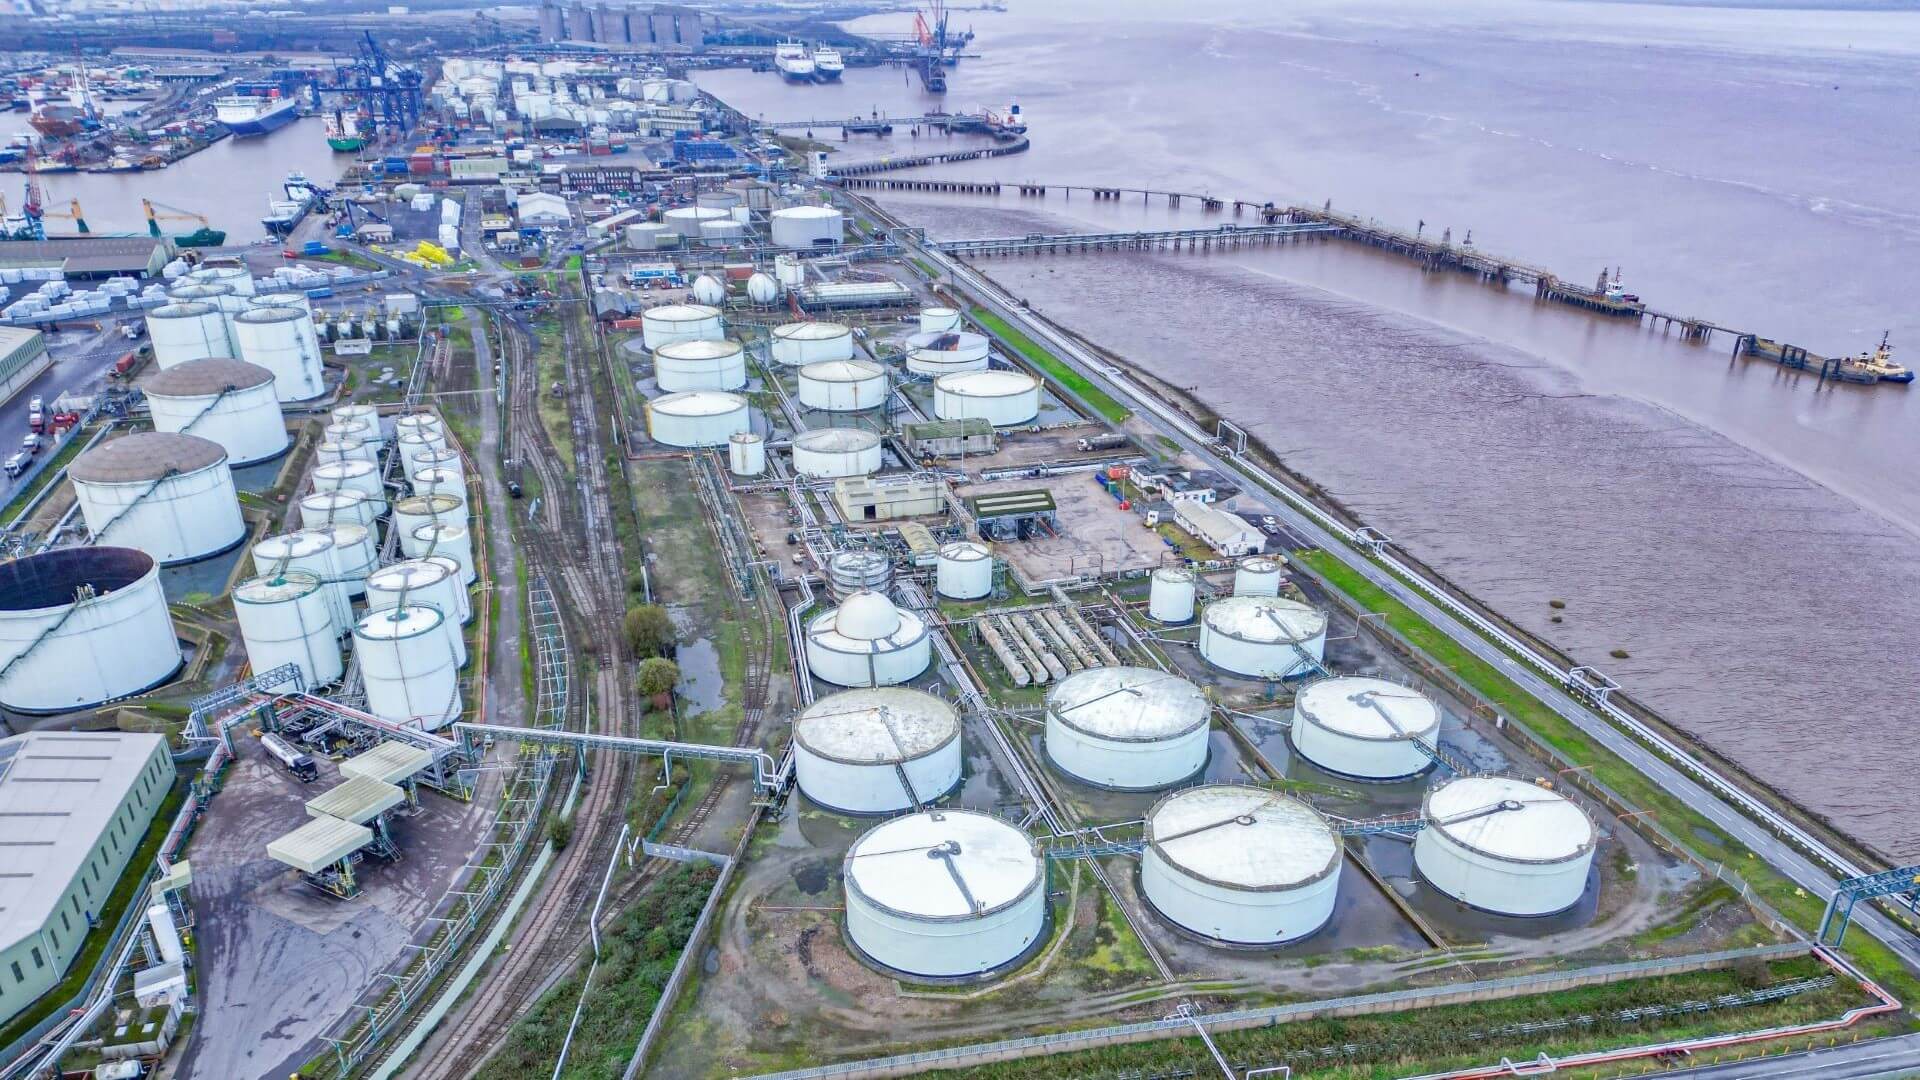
(169, 495)
(1242, 865)
(858, 751)
(1127, 728)
(797, 344)
(80, 626)
(867, 641)
(836, 452)
(229, 402)
(702, 364)
(1504, 845)
(1267, 637)
(1369, 729)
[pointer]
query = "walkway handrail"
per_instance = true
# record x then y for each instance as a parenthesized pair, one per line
(767, 773)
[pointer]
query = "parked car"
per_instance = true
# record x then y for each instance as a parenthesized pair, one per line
(30, 444)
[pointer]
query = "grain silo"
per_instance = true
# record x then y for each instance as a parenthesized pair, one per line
(420, 582)
(1002, 398)
(807, 227)
(226, 401)
(1504, 845)
(964, 571)
(1127, 728)
(859, 751)
(169, 495)
(837, 452)
(283, 341)
(669, 323)
(407, 665)
(80, 626)
(287, 618)
(1268, 637)
(746, 454)
(352, 475)
(946, 353)
(1366, 728)
(797, 344)
(843, 385)
(867, 641)
(1170, 593)
(189, 330)
(945, 894)
(697, 418)
(1242, 865)
(703, 364)
(1257, 575)
(309, 551)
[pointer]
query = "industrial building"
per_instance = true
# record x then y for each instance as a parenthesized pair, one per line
(23, 356)
(1229, 534)
(74, 806)
(1004, 514)
(950, 438)
(90, 256)
(866, 498)
(598, 179)
(539, 210)
(640, 26)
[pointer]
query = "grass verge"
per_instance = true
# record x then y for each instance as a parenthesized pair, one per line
(1053, 367)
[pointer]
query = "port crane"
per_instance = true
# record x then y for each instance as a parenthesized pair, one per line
(930, 48)
(71, 213)
(386, 93)
(205, 236)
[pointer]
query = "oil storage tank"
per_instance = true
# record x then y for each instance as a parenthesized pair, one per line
(807, 226)
(443, 538)
(854, 569)
(309, 551)
(944, 894)
(859, 751)
(1369, 729)
(1127, 728)
(354, 554)
(446, 461)
(82, 625)
(836, 452)
(697, 418)
(187, 330)
(1242, 865)
(1000, 397)
(1257, 575)
(867, 641)
(964, 571)
(1267, 637)
(685, 221)
(338, 506)
(430, 427)
(746, 454)
(412, 511)
(946, 353)
(418, 581)
(232, 275)
(939, 320)
(353, 475)
(345, 448)
(702, 364)
(1170, 593)
(169, 495)
(287, 619)
(797, 344)
(843, 385)
(229, 402)
(669, 323)
(438, 481)
(283, 341)
(1504, 845)
(358, 413)
(408, 666)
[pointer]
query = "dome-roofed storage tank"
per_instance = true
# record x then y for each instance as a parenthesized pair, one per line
(1267, 637)
(939, 320)
(699, 365)
(697, 418)
(418, 581)
(836, 452)
(361, 476)
(354, 554)
(843, 385)
(797, 344)
(1369, 729)
(857, 751)
(187, 330)
(1257, 575)
(1170, 593)
(857, 569)
(707, 288)
(1504, 845)
(746, 454)
(1242, 865)
(807, 226)
(867, 641)
(169, 495)
(964, 571)
(408, 666)
(669, 323)
(1127, 728)
(227, 401)
(283, 341)
(288, 619)
(329, 507)
(80, 626)
(309, 551)
(1000, 397)
(944, 894)
(442, 538)
(946, 353)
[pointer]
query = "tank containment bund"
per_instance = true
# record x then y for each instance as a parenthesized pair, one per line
(408, 666)
(80, 626)
(336, 507)
(867, 641)
(1002, 398)
(855, 752)
(798, 344)
(697, 418)
(843, 385)
(964, 571)
(669, 323)
(946, 353)
(443, 538)
(1267, 637)
(1241, 865)
(837, 452)
(699, 365)
(189, 330)
(939, 320)
(361, 476)
(171, 496)
(1365, 728)
(309, 551)
(283, 341)
(807, 227)
(856, 569)
(419, 581)
(228, 402)
(1127, 728)
(1170, 595)
(288, 619)
(1257, 575)
(1504, 845)
(944, 894)
(746, 454)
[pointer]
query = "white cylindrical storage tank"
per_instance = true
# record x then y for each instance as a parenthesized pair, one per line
(288, 619)
(1170, 595)
(361, 430)
(1369, 729)
(356, 413)
(1242, 865)
(835, 452)
(939, 320)
(945, 894)
(236, 277)
(807, 226)
(309, 551)
(946, 353)
(722, 232)
(843, 385)
(867, 641)
(412, 511)
(438, 481)
(697, 418)
(338, 506)
(361, 476)
(669, 323)
(408, 666)
(1504, 845)
(964, 571)
(443, 538)
(283, 341)
(461, 599)
(746, 454)
(281, 299)
(187, 330)
(431, 428)
(704, 364)
(1268, 637)
(685, 220)
(854, 569)
(1127, 728)
(650, 235)
(856, 751)
(346, 448)
(798, 344)
(1000, 397)
(717, 200)
(82, 625)
(419, 581)
(355, 552)
(229, 402)
(447, 462)
(169, 495)
(1257, 575)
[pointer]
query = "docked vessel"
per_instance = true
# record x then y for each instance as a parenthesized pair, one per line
(59, 121)
(828, 64)
(1879, 363)
(343, 133)
(793, 62)
(1006, 122)
(298, 196)
(255, 115)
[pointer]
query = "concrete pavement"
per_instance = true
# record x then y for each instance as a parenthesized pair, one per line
(1878, 1059)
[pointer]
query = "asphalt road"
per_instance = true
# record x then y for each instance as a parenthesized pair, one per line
(79, 357)
(1879, 1059)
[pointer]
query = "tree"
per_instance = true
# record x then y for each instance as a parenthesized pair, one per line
(649, 630)
(657, 678)
(561, 832)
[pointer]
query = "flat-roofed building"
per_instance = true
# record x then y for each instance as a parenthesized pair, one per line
(90, 256)
(23, 356)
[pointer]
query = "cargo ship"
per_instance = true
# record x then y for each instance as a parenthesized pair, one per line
(828, 65)
(343, 133)
(793, 62)
(255, 115)
(59, 121)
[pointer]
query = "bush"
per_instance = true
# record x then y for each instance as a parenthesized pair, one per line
(657, 677)
(649, 631)
(560, 832)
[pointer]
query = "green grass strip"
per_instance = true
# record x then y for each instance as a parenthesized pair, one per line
(1053, 367)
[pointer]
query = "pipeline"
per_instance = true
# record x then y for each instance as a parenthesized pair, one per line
(1023, 624)
(1099, 640)
(1027, 653)
(1016, 669)
(1064, 633)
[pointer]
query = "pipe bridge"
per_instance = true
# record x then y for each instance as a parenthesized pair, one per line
(1220, 237)
(767, 774)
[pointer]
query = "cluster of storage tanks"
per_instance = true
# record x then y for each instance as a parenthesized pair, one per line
(216, 312)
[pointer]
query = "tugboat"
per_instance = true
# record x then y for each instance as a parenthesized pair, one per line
(1879, 363)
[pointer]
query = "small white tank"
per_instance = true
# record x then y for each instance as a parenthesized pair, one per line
(837, 452)
(447, 461)
(354, 554)
(857, 751)
(1242, 865)
(339, 506)
(843, 385)
(1504, 845)
(964, 571)
(1170, 594)
(425, 423)
(699, 365)
(669, 323)
(412, 447)
(413, 511)
(418, 581)
(939, 320)
(1257, 575)
(347, 448)
(708, 290)
(80, 626)
(169, 495)
(442, 538)
(357, 413)
(1369, 729)
(288, 619)
(1267, 637)
(697, 418)
(798, 344)
(746, 454)
(360, 476)
(438, 481)
(461, 599)
(357, 429)
(408, 666)
(309, 551)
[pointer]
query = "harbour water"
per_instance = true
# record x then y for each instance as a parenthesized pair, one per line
(1749, 537)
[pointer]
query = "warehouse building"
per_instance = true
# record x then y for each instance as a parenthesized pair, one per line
(90, 256)
(640, 26)
(863, 498)
(73, 808)
(539, 210)
(23, 356)
(1229, 534)
(950, 438)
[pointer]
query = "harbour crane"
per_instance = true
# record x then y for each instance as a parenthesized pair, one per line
(205, 236)
(71, 213)
(931, 46)
(387, 93)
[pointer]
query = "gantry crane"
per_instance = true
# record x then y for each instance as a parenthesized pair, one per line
(388, 94)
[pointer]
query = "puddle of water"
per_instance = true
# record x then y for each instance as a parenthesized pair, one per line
(701, 688)
(1393, 861)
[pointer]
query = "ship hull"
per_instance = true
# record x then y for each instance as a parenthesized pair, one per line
(55, 127)
(266, 122)
(349, 144)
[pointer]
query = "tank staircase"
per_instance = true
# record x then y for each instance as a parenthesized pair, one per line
(1370, 699)
(225, 391)
(100, 534)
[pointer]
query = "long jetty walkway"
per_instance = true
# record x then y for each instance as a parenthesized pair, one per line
(1220, 237)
